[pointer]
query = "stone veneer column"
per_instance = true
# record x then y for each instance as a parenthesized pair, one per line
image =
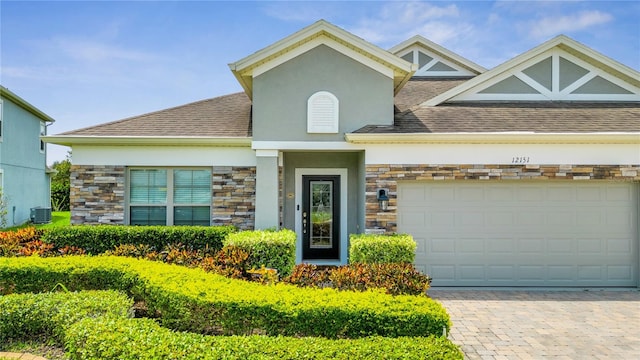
(234, 196)
(97, 194)
(388, 175)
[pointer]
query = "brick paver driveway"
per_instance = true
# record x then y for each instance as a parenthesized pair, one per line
(545, 324)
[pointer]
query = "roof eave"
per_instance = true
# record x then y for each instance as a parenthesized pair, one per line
(72, 140)
(6, 93)
(496, 138)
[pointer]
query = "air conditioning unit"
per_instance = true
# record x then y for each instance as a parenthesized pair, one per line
(40, 215)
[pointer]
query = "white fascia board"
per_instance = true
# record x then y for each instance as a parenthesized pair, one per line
(9, 95)
(305, 145)
(323, 40)
(560, 40)
(497, 138)
(440, 50)
(244, 69)
(314, 29)
(71, 140)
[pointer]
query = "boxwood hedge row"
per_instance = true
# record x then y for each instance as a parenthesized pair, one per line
(193, 300)
(46, 316)
(381, 249)
(98, 239)
(97, 325)
(272, 249)
(133, 339)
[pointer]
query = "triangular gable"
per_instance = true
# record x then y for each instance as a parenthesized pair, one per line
(434, 60)
(321, 33)
(561, 69)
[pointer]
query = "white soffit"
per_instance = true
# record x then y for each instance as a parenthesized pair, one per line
(71, 140)
(496, 138)
(321, 32)
(597, 65)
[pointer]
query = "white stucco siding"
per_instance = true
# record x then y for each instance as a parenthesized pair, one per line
(163, 156)
(569, 154)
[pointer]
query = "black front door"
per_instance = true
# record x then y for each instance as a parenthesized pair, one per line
(320, 217)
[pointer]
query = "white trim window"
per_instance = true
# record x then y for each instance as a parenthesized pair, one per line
(323, 113)
(43, 132)
(166, 196)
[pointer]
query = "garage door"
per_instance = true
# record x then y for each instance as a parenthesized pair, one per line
(523, 233)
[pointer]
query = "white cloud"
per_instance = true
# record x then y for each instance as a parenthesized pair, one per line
(555, 25)
(398, 21)
(89, 50)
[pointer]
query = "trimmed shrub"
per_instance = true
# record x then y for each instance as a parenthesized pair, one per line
(374, 249)
(133, 339)
(99, 239)
(231, 262)
(12, 243)
(396, 279)
(193, 300)
(46, 316)
(271, 249)
(309, 275)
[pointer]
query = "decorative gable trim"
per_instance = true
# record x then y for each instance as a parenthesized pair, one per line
(622, 81)
(321, 32)
(327, 41)
(553, 75)
(434, 60)
(323, 113)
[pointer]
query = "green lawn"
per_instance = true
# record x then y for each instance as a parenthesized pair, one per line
(58, 218)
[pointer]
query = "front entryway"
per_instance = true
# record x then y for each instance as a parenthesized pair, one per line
(320, 208)
(320, 216)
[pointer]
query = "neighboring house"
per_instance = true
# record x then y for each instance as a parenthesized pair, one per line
(24, 176)
(523, 175)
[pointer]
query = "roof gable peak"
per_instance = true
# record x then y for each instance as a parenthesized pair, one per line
(321, 33)
(560, 69)
(435, 60)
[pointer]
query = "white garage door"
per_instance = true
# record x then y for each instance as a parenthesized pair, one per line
(472, 233)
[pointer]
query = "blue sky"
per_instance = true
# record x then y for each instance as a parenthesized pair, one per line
(89, 62)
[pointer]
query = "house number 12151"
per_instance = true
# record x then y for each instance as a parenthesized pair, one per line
(520, 160)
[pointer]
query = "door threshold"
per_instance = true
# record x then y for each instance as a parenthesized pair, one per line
(327, 262)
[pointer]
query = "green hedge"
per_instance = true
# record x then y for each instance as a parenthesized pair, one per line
(98, 239)
(193, 300)
(97, 325)
(46, 316)
(372, 249)
(133, 339)
(272, 249)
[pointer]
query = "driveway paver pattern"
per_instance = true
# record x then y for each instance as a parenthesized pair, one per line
(544, 324)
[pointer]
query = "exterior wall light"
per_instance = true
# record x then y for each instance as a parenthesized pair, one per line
(383, 199)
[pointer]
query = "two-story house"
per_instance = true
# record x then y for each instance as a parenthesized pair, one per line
(526, 174)
(24, 176)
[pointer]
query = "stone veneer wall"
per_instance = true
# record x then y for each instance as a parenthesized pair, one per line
(97, 194)
(388, 175)
(234, 196)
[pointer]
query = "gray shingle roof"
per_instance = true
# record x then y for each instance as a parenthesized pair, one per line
(543, 117)
(419, 90)
(224, 116)
(230, 116)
